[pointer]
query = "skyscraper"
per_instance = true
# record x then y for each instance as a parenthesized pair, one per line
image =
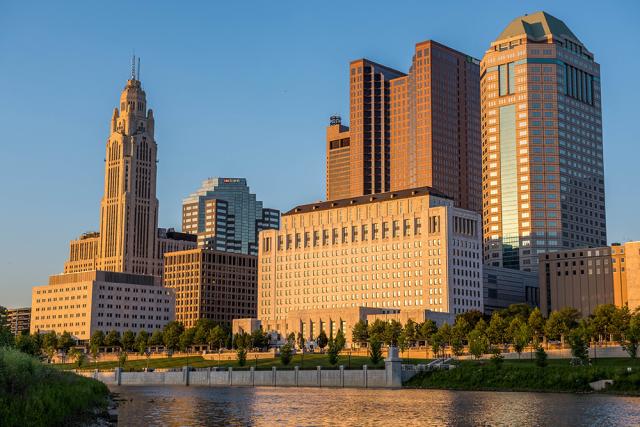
(226, 216)
(435, 125)
(129, 240)
(129, 208)
(408, 131)
(543, 174)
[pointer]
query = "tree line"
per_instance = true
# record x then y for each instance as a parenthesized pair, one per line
(517, 326)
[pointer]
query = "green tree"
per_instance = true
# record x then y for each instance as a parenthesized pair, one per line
(112, 339)
(28, 344)
(478, 343)
(520, 335)
(78, 356)
(392, 331)
(122, 359)
(217, 337)
(286, 353)
(458, 334)
(97, 339)
(6, 337)
(536, 325)
(94, 349)
(360, 333)
(186, 339)
(606, 322)
(128, 340)
(497, 330)
(497, 359)
(426, 330)
(410, 333)
(291, 339)
(171, 335)
(140, 343)
(375, 350)
(579, 343)
(156, 338)
(241, 352)
(203, 326)
(65, 342)
(340, 342)
(472, 317)
(630, 339)
(560, 323)
(541, 357)
(259, 339)
(445, 332)
(523, 311)
(377, 329)
(322, 340)
(437, 343)
(242, 339)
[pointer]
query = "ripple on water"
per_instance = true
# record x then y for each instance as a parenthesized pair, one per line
(201, 406)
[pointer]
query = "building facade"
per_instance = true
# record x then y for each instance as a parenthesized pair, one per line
(503, 287)
(399, 250)
(226, 216)
(19, 320)
(129, 239)
(216, 285)
(410, 130)
(435, 125)
(90, 301)
(543, 174)
(588, 277)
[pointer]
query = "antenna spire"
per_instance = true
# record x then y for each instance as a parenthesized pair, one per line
(138, 69)
(133, 66)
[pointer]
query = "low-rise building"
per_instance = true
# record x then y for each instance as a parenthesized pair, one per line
(503, 287)
(588, 277)
(19, 319)
(82, 303)
(209, 284)
(404, 250)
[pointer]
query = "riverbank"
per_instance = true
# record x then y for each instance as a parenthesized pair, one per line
(515, 375)
(35, 394)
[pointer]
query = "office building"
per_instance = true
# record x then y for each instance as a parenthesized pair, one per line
(543, 175)
(216, 285)
(129, 240)
(587, 277)
(502, 287)
(410, 130)
(404, 250)
(90, 301)
(226, 216)
(19, 320)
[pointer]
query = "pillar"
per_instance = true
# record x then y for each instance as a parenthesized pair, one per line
(393, 368)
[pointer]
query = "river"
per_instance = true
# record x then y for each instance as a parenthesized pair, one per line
(202, 406)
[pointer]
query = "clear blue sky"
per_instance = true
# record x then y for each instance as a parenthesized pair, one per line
(238, 89)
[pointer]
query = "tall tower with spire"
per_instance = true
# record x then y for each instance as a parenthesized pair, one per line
(129, 207)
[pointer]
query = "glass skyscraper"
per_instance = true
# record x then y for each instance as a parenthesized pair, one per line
(542, 163)
(226, 216)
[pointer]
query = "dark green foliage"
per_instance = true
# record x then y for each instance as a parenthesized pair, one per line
(360, 332)
(497, 359)
(241, 352)
(171, 335)
(375, 350)
(33, 394)
(286, 353)
(527, 377)
(541, 357)
(128, 339)
(322, 339)
(112, 339)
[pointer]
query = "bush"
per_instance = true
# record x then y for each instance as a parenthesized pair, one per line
(242, 356)
(541, 357)
(38, 395)
(497, 359)
(375, 350)
(286, 353)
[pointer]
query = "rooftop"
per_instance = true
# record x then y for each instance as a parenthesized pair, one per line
(537, 26)
(370, 198)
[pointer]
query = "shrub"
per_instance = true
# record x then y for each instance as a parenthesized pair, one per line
(242, 356)
(375, 350)
(286, 354)
(541, 357)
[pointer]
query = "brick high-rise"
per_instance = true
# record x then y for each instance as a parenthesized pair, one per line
(410, 130)
(543, 174)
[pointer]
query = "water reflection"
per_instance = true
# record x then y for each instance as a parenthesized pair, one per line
(200, 406)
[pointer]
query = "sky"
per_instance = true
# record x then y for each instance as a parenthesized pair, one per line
(239, 89)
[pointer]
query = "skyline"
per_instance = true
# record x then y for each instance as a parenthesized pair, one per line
(290, 112)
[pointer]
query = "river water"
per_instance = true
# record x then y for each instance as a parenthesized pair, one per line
(202, 406)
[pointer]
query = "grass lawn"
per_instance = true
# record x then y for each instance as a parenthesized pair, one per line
(524, 375)
(311, 361)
